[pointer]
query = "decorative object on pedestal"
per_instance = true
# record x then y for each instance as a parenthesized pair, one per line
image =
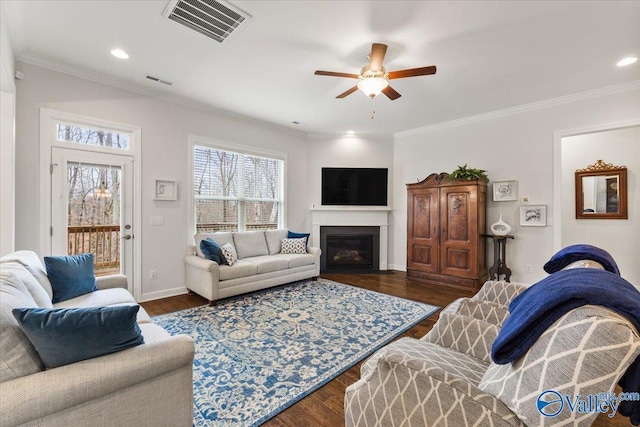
(500, 228)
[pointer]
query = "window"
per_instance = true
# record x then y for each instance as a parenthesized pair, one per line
(236, 191)
(92, 136)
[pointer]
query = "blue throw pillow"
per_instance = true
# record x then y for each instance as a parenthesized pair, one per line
(579, 252)
(294, 235)
(70, 276)
(212, 251)
(67, 335)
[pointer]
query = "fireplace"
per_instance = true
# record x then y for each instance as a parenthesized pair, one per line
(351, 249)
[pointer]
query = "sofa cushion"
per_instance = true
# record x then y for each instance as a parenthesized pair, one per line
(221, 237)
(274, 239)
(67, 335)
(241, 268)
(294, 246)
(31, 262)
(36, 290)
(229, 254)
(104, 298)
(294, 235)
(212, 251)
(250, 243)
(18, 357)
(70, 275)
(268, 263)
(297, 260)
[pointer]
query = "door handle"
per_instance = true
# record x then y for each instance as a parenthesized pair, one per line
(127, 237)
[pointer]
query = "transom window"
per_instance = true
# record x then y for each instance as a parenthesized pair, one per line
(92, 136)
(236, 191)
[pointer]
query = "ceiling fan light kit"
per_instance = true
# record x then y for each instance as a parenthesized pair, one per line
(372, 86)
(374, 78)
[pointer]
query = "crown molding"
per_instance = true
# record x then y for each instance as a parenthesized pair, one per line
(97, 77)
(325, 136)
(566, 99)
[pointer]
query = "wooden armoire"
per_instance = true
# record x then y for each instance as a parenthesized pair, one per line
(445, 227)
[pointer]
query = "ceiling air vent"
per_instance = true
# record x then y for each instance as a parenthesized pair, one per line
(215, 19)
(159, 80)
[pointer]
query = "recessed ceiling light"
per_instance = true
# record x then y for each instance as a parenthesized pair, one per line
(119, 53)
(351, 132)
(626, 61)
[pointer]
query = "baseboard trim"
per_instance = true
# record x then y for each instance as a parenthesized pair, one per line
(150, 296)
(398, 267)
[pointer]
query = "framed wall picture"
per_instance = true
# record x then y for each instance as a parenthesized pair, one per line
(504, 191)
(533, 215)
(166, 190)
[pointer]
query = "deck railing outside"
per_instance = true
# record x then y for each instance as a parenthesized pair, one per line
(103, 241)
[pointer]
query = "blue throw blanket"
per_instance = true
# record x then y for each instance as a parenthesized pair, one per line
(580, 252)
(538, 307)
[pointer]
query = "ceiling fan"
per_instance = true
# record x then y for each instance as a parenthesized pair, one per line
(374, 78)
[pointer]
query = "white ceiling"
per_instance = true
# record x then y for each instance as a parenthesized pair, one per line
(490, 55)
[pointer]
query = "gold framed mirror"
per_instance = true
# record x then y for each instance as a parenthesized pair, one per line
(601, 191)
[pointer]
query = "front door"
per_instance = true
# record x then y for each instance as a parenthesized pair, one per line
(92, 208)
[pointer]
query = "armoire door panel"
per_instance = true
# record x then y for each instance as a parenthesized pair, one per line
(458, 259)
(457, 216)
(458, 243)
(422, 217)
(422, 241)
(422, 256)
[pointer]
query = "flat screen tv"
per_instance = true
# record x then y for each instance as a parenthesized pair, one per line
(354, 186)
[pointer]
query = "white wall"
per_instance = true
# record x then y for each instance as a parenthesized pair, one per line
(347, 151)
(516, 146)
(7, 141)
(7, 61)
(165, 129)
(620, 237)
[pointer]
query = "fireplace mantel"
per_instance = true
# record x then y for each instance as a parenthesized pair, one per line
(353, 216)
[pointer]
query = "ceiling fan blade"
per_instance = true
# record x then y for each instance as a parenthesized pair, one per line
(348, 92)
(391, 93)
(378, 50)
(412, 72)
(334, 74)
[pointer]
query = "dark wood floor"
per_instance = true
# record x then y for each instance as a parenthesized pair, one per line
(324, 407)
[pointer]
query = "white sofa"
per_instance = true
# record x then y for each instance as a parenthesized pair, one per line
(260, 264)
(147, 385)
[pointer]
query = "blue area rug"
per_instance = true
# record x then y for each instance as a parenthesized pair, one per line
(260, 353)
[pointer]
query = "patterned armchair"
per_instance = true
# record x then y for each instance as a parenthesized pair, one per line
(447, 377)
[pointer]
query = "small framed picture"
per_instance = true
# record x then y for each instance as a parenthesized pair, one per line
(166, 190)
(533, 215)
(504, 191)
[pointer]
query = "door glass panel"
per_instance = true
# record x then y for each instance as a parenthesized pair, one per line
(93, 214)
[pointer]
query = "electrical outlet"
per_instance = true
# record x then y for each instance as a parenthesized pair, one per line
(153, 274)
(528, 268)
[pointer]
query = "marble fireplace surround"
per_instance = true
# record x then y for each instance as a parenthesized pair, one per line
(353, 216)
